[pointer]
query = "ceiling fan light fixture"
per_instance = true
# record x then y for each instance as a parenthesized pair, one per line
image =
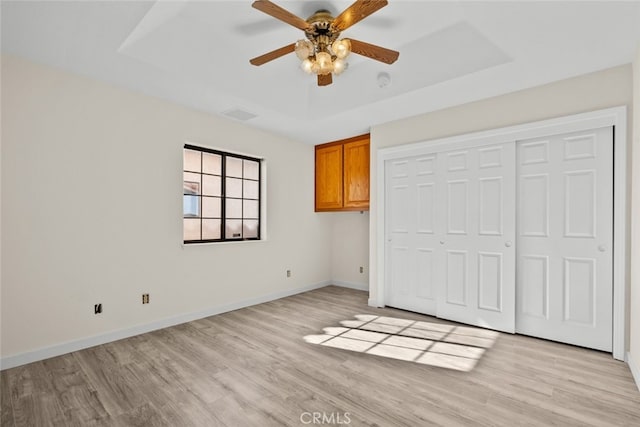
(341, 48)
(304, 49)
(339, 66)
(307, 66)
(323, 53)
(324, 63)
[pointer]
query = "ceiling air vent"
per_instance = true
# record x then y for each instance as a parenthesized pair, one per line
(239, 114)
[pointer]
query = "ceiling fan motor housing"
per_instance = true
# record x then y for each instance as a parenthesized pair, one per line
(320, 31)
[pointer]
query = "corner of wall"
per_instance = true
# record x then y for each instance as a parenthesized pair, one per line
(635, 369)
(633, 357)
(350, 249)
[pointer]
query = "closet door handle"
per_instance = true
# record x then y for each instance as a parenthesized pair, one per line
(508, 243)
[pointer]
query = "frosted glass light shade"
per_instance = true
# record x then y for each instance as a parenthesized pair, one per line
(303, 49)
(307, 66)
(339, 65)
(341, 48)
(324, 63)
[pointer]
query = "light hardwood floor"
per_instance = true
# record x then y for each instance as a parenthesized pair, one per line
(251, 367)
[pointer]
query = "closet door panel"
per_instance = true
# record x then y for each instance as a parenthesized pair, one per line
(411, 245)
(477, 277)
(565, 236)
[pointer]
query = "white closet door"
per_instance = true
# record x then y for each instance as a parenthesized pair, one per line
(411, 241)
(476, 230)
(565, 204)
(450, 230)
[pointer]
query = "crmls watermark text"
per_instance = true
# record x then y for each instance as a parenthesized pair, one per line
(333, 418)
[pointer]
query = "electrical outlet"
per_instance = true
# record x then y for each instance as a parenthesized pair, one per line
(288, 273)
(361, 269)
(97, 309)
(145, 298)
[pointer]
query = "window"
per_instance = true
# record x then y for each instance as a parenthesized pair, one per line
(221, 196)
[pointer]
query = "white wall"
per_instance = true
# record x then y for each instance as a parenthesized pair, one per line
(1, 126)
(634, 303)
(607, 88)
(91, 212)
(350, 249)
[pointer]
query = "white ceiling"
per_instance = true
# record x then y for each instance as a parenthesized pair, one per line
(196, 53)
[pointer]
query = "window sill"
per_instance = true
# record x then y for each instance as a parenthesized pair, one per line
(229, 242)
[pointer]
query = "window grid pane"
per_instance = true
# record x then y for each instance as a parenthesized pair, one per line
(211, 229)
(211, 185)
(212, 164)
(191, 228)
(250, 189)
(221, 196)
(234, 167)
(234, 188)
(251, 170)
(211, 207)
(192, 161)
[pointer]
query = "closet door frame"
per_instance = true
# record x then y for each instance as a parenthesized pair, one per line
(616, 117)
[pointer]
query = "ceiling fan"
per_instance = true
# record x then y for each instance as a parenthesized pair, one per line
(322, 52)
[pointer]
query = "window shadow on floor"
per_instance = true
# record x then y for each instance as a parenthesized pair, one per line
(436, 344)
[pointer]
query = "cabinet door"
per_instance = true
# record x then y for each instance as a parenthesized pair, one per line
(329, 177)
(356, 174)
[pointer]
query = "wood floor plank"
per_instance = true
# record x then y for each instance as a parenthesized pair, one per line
(252, 367)
(141, 416)
(6, 409)
(115, 384)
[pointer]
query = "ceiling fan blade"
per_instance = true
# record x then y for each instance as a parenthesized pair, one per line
(372, 51)
(356, 13)
(324, 79)
(277, 12)
(274, 54)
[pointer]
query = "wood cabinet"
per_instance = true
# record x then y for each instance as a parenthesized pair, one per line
(342, 175)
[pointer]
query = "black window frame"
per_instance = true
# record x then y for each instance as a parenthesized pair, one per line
(223, 196)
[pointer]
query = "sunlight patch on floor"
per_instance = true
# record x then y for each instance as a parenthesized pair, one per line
(436, 344)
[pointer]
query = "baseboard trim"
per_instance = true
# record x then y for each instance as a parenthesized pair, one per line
(80, 344)
(635, 369)
(351, 285)
(373, 303)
